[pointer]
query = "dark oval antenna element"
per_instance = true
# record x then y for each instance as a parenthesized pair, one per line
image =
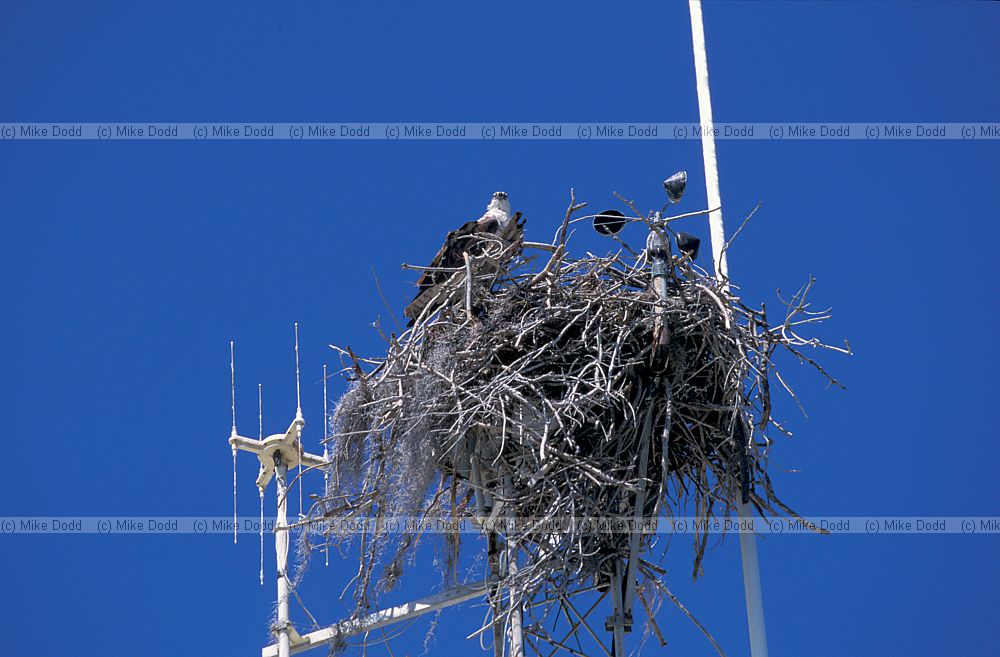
(689, 244)
(609, 222)
(674, 186)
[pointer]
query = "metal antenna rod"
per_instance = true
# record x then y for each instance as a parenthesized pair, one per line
(260, 424)
(232, 373)
(326, 425)
(261, 575)
(326, 455)
(748, 542)
(235, 517)
(298, 413)
(298, 394)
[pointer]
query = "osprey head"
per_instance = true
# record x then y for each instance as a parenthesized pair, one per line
(499, 206)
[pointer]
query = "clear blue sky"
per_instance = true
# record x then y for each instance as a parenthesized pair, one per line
(127, 267)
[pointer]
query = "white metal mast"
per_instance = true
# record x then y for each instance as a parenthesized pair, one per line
(277, 453)
(748, 542)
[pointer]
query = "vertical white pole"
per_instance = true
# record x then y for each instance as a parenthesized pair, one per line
(618, 629)
(748, 542)
(716, 229)
(751, 585)
(516, 632)
(281, 549)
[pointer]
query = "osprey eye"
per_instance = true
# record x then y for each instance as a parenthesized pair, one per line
(609, 222)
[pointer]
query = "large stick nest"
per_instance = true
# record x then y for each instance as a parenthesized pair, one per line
(548, 376)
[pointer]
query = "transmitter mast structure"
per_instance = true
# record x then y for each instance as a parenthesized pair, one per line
(278, 454)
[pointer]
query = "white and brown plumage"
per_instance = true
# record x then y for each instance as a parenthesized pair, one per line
(483, 240)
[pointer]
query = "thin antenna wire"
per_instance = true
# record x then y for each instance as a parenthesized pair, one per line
(232, 373)
(326, 455)
(261, 536)
(298, 395)
(260, 430)
(235, 518)
(298, 412)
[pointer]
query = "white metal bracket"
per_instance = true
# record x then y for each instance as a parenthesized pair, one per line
(286, 444)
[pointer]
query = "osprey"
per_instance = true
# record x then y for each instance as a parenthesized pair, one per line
(488, 238)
